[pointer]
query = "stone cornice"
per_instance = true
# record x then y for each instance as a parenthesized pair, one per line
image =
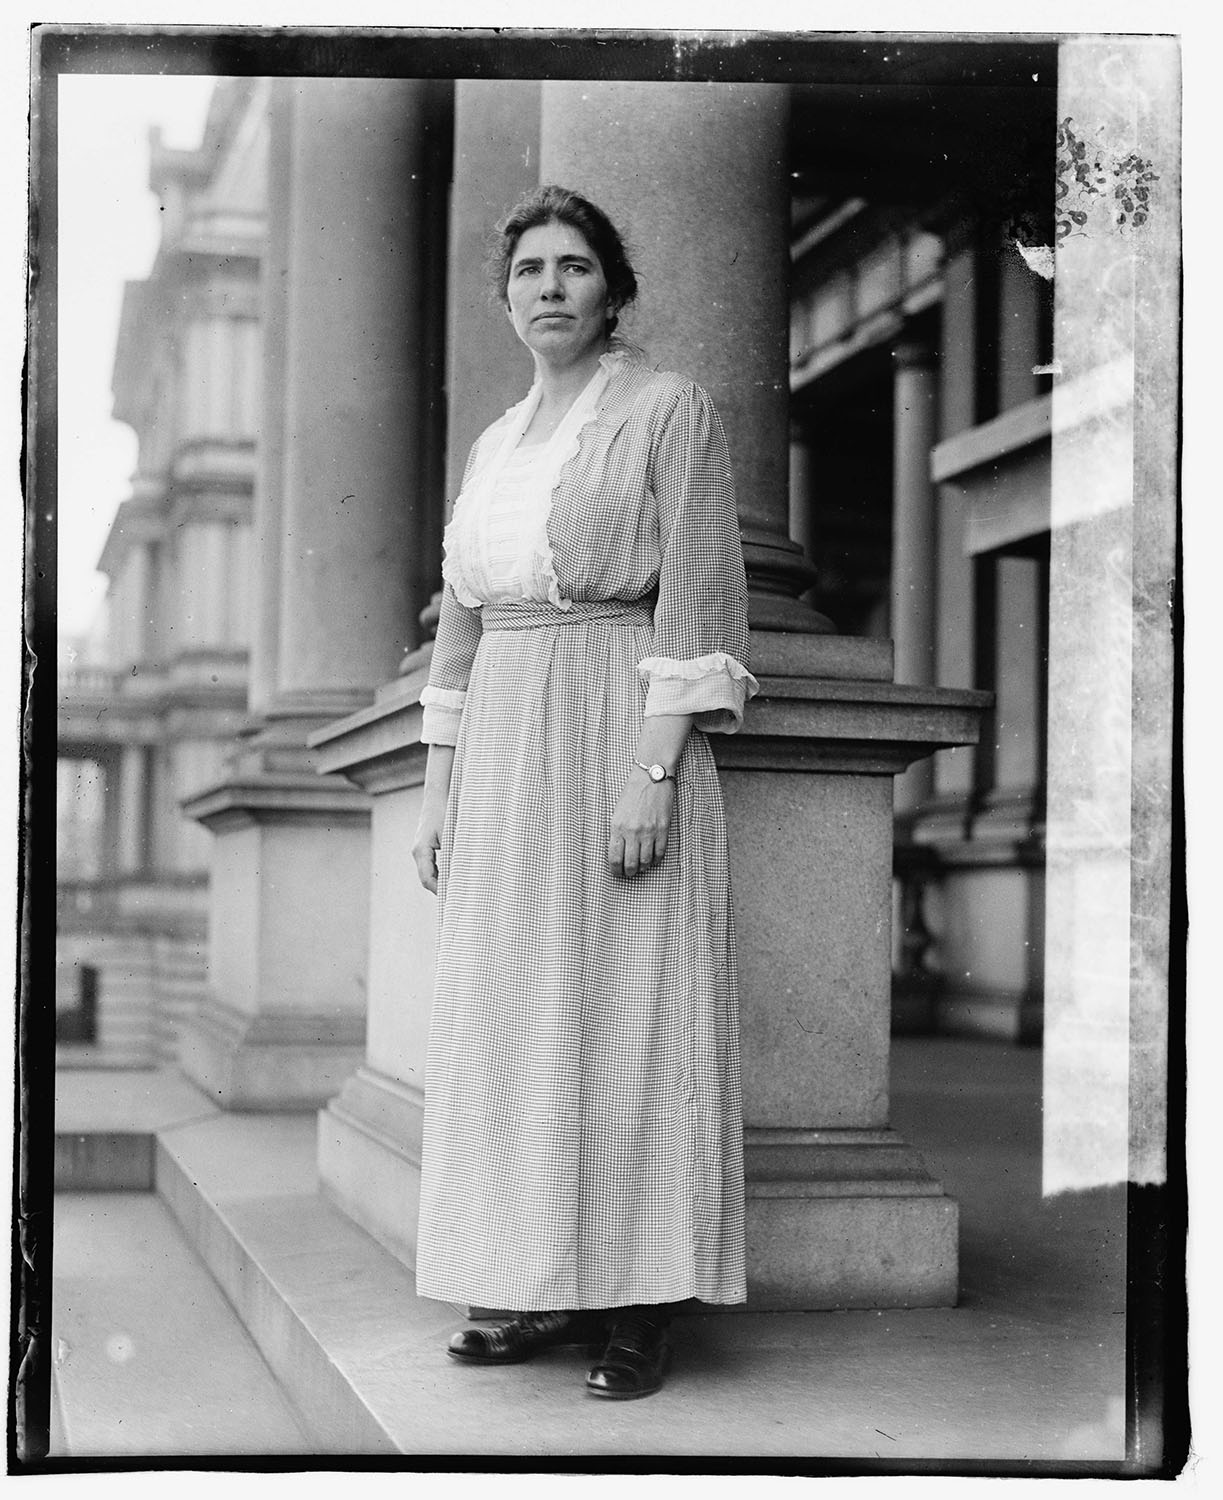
(275, 797)
(286, 1028)
(991, 441)
(214, 470)
(796, 723)
(105, 714)
(867, 728)
(378, 748)
(136, 520)
(900, 695)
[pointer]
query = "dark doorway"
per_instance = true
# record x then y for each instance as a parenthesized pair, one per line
(79, 1023)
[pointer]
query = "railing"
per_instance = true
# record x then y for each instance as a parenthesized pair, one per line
(148, 897)
(915, 985)
(83, 682)
(88, 899)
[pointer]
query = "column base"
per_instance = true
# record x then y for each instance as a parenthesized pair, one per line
(846, 1218)
(777, 574)
(289, 1061)
(369, 1141)
(784, 613)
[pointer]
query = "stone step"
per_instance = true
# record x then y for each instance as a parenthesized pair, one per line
(91, 1057)
(363, 1360)
(104, 1161)
(149, 1358)
(1027, 1367)
(106, 1121)
(322, 1300)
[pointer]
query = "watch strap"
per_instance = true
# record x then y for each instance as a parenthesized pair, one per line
(649, 770)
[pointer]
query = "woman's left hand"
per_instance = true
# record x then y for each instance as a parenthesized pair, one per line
(640, 824)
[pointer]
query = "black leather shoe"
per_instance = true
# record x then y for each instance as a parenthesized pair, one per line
(636, 1357)
(522, 1337)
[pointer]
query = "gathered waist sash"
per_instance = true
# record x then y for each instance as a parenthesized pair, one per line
(535, 616)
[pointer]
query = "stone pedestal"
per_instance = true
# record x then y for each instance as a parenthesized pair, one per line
(284, 1023)
(370, 1134)
(841, 1211)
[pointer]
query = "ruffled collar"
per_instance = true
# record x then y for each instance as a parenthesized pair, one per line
(587, 400)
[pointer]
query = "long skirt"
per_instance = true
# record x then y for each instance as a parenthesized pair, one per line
(583, 1122)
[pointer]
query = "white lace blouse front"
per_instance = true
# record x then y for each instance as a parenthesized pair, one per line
(497, 548)
(503, 563)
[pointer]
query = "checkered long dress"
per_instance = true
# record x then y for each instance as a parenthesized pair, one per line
(583, 1127)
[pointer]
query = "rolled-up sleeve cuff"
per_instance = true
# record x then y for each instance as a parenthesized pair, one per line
(443, 713)
(713, 688)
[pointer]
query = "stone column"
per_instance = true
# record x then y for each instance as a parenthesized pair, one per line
(140, 578)
(496, 164)
(351, 447)
(802, 504)
(267, 519)
(339, 502)
(109, 861)
(954, 626)
(132, 823)
(914, 538)
(694, 176)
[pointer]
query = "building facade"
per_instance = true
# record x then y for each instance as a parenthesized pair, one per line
(920, 479)
(148, 716)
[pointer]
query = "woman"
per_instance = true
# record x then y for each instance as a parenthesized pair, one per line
(582, 1158)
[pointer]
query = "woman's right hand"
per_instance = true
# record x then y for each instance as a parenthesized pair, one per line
(427, 842)
(428, 838)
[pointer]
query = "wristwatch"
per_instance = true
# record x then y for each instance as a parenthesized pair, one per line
(656, 772)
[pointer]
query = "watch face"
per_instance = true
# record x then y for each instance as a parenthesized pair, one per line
(658, 773)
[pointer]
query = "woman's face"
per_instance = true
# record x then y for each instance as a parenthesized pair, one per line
(557, 294)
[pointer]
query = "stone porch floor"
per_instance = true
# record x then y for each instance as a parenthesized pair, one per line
(1029, 1366)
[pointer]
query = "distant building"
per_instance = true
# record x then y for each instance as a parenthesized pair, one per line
(149, 716)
